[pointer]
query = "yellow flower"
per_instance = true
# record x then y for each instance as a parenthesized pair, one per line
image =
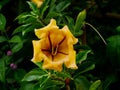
(55, 47)
(38, 2)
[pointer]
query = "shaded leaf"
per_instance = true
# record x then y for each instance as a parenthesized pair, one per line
(84, 67)
(3, 39)
(109, 80)
(19, 74)
(70, 23)
(64, 75)
(95, 85)
(82, 83)
(118, 29)
(2, 70)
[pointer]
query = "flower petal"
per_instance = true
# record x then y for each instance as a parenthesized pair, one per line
(69, 35)
(63, 47)
(71, 62)
(43, 32)
(51, 65)
(38, 56)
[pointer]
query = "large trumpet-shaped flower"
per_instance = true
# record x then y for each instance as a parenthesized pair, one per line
(55, 47)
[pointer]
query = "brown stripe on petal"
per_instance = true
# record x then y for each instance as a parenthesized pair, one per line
(50, 42)
(63, 53)
(45, 50)
(61, 41)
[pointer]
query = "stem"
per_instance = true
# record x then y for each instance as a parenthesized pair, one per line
(97, 32)
(83, 36)
(7, 38)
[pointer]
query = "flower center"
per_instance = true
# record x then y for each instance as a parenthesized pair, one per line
(54, 50)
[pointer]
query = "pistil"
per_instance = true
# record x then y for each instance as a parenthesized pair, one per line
(54, 50)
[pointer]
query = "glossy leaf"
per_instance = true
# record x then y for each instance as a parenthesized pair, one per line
(82, 55)
(43, 8)
(32, 6)
(62, 5)
(113, 50)
(80, 21)
(17, 47)
(15, 39)
(20, 28)
(2, 22)
(34, 75)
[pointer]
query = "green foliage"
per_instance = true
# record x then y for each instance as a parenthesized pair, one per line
(2, 71)
(98, 64)
(95, 85)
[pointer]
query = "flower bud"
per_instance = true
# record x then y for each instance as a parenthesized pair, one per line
(9, 53)
(13, 66)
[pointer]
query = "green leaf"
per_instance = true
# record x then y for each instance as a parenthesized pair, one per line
(43, 8)
(91, 67)
(17, 47)
(2, 22)
(15, 39)
(0, 7)
(95, 85)
(31, 86)
(19, 74)
(64, 75)
(80, 21)
(28, 29)
(2, 70)
(20, 28)
(113, 50)
(70, 21)
(35, 75)
(32, 6)
(52, 15)
(3, 39)
(82, 83)
(84, 67)
(111, 78)
(62, 5)
(82, 56)
(23, 16)
(118, 29)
